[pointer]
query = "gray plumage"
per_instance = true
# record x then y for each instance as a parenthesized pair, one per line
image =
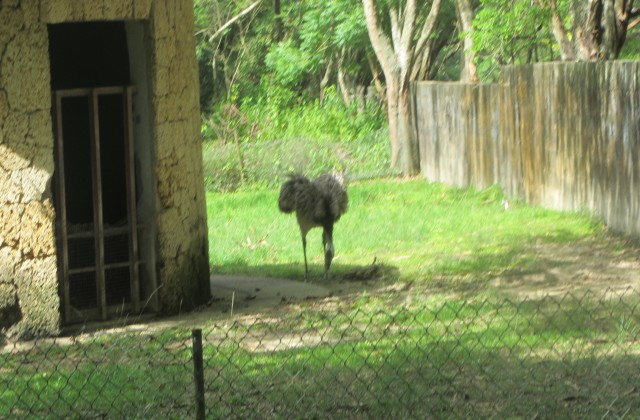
(317, 203)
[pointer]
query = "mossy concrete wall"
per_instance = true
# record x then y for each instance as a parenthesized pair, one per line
(560, 135)
(29, 300)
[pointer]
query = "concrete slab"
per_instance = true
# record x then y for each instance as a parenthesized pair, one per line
(263, 291)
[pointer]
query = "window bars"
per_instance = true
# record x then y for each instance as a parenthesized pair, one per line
(98, 256)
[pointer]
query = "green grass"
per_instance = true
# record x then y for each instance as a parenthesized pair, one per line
(427, 353)
(480, 357)
(427, 231)
(461, 357)
(116, 376)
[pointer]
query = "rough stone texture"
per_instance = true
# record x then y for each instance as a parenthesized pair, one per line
(29, 302)
(181, 221)
(23, 62)
(34, 283)
(10, 312)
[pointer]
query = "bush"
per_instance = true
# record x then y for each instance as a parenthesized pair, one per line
(266, 164)
(258, 144)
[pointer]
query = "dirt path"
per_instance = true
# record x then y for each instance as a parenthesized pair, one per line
(609, 266)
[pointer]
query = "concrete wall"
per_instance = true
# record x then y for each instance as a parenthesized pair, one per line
(29, 302)
(561, 135)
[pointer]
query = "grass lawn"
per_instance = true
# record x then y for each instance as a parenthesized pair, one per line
(429, 336)
(428, 232)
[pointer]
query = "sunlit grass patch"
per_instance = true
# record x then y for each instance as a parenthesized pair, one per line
(424, 229)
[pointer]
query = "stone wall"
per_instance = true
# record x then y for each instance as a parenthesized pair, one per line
(29, 302)
(181, 222)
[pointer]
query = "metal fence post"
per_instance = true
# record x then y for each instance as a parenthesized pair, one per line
(198, 373)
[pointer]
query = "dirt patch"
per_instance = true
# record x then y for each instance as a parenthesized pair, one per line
(609, 267)
(605, 267)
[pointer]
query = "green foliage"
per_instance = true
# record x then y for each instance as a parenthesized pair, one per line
(631, 49)
(511, 32)
(268, 106)
(289, 64)
(335, 31)
(325, 34)
(333, 25)
(310, 138)
(232, 63)
(519, 31)
(329, 119)
(248, 59)
(449, 40)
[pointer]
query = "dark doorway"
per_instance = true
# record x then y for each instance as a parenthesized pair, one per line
(88, 54)
(96, 192)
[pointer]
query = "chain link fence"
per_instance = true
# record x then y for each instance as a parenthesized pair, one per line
(564, 356)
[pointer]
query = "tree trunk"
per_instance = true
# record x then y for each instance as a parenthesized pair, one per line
(589, 33)
(397, 55)
(345, 89)
(469, 71)
(277, 21)
(560, 35)
(380, 90)
(599, 29)
(404, 145)
(616, 20)
(325, 79)
(428, 45)
(410, 149)
(392, 112)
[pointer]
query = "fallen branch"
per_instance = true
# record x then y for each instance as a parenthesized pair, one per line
(234, 19)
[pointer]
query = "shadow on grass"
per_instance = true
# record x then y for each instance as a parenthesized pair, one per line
(366, 275)
(555, 358)
(442, 381)
(550, 357)
(541, 265)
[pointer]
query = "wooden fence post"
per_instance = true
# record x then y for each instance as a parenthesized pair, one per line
(198, 373)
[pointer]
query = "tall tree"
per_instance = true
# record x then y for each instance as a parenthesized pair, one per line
(468, 71)
(401, 50)
(598, 27)
(521, 31)
(509, 32)
(277, 20)
(335, 36)
(227, 34)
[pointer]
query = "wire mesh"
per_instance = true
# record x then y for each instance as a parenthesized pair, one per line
(568, 356)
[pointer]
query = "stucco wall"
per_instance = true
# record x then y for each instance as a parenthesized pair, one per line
(181, 221)
(29, 302)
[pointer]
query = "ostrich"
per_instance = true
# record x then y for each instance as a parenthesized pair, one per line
(317, 203)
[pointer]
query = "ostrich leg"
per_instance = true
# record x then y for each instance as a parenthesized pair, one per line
(304, 251)
(304, 229)
(327, 246)
(324, 251)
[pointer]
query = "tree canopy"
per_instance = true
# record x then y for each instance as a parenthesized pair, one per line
(528, 31)
(279, 55)
(304, 47)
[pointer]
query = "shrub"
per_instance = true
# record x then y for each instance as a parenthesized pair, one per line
(257, 144)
